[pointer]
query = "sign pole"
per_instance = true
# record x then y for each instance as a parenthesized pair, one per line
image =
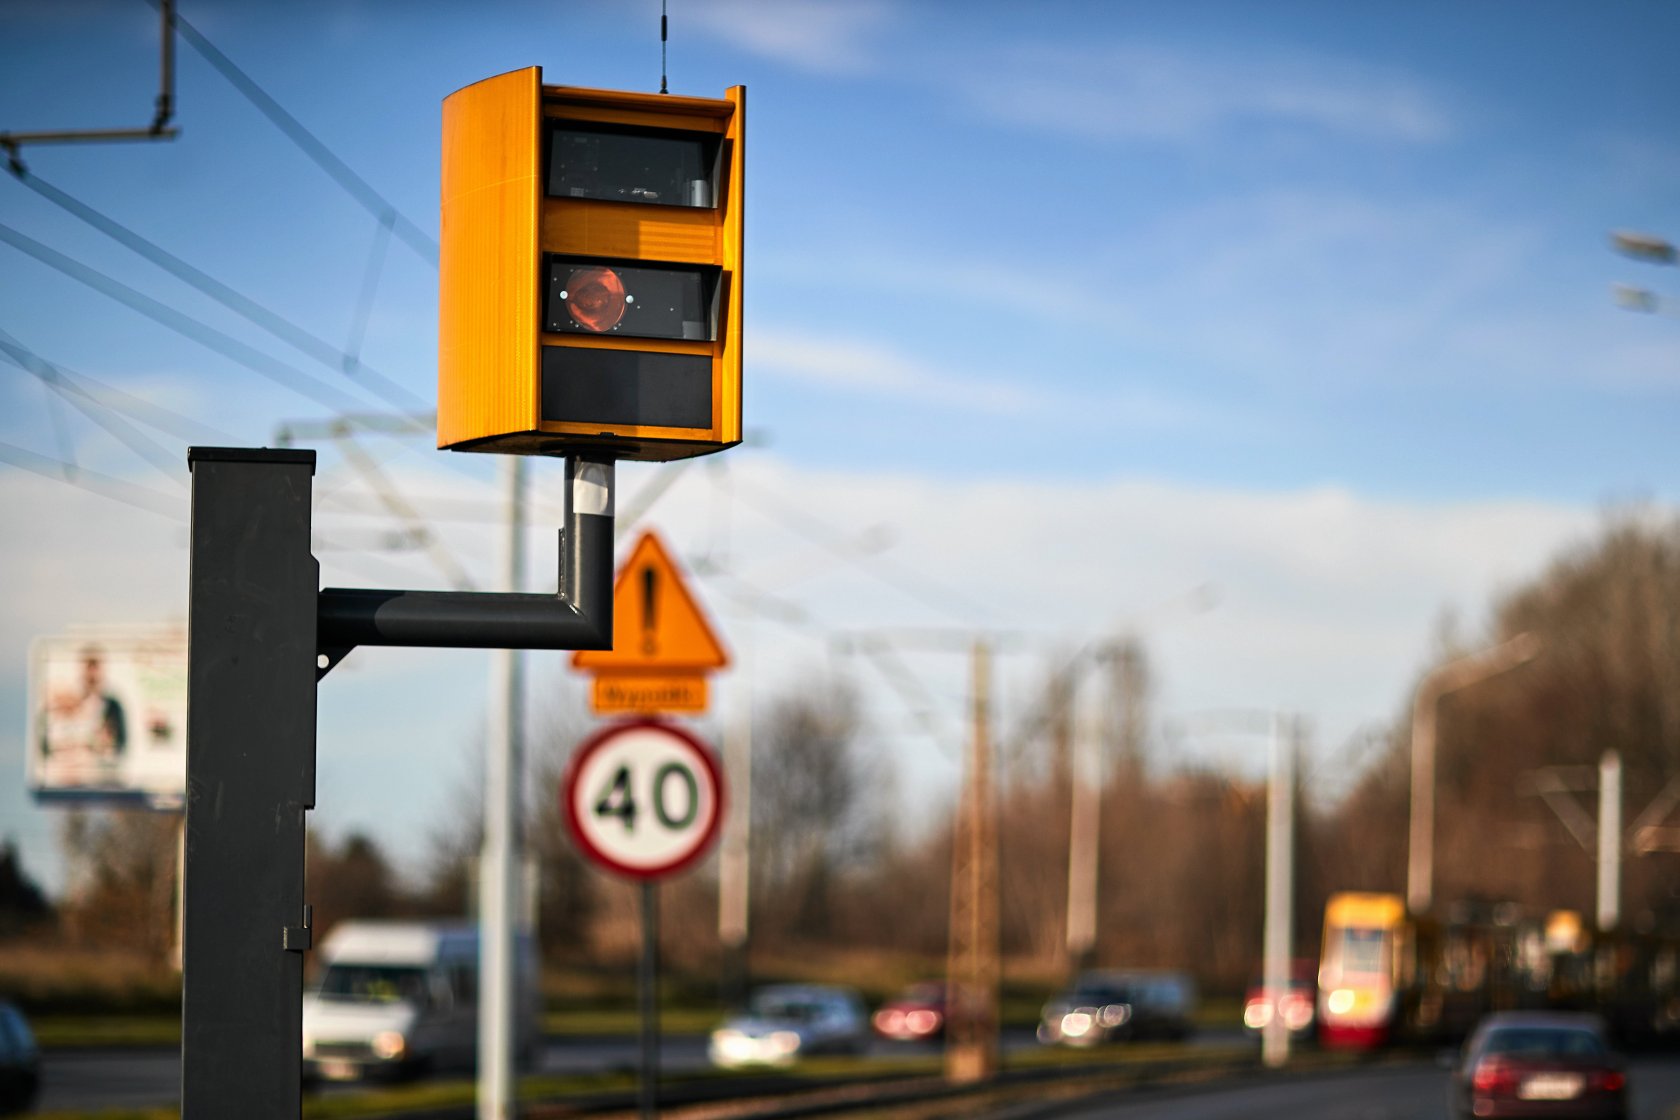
(644, 800)
(647, 986)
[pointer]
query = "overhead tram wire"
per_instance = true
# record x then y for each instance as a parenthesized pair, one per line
(371, 273)
(167, 462)
(153, 415)
(240, 304)
(353, 184)
(172, 506)
(60, 422)
(205, 335)
(404, 511)
(926, 592)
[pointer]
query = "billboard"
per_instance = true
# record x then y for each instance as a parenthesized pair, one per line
(108, 717)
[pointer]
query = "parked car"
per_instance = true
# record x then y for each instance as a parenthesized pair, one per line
(785, 1022)
(1536, 1064)
(401, 998)
(20, 1062)
(1117, 1005)
(914, 1015)
(1298, 1005)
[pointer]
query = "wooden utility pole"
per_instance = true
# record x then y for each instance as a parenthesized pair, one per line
(971, 1033)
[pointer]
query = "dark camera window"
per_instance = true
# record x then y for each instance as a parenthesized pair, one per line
(604, 297)
(662, 167)
(626, 387)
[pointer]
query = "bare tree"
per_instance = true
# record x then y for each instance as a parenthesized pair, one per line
(121, 879)
(352, 880)
(815, 801)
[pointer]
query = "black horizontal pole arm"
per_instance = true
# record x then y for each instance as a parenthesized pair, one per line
(577, 616)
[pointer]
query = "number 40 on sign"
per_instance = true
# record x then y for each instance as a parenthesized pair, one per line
(643, 799)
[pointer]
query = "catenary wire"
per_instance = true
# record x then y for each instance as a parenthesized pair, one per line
(172, 506)
(229, 347)
(240, 304)
(167, 462)
(149, 413)
(364, 302)
(353, 184)
(926, 592)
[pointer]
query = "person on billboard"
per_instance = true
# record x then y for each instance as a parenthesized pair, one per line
(85, 731)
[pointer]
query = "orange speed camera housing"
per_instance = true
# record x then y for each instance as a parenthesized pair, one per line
(590, 271)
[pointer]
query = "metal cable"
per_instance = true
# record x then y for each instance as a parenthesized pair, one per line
(171, 506)
(167, 462)
(202, 333)
(354, 185)
(237, 302)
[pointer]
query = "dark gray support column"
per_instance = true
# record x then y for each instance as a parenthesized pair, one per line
(250, 777)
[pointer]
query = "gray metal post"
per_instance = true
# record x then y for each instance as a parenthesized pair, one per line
(499, 865)
(1609, 841)
(1280, 889)
(1454, 675)
(1084, 824)
(250, 777)
(647, 991)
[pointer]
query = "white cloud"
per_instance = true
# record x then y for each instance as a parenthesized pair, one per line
(862, 367)
(826, 36)
(874, 368)
(1134, 91)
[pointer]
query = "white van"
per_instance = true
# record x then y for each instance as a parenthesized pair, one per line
(401, 998)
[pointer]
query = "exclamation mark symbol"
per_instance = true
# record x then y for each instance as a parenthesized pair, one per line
(650, 602)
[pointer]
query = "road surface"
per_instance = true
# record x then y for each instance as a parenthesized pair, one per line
(1377, 1092)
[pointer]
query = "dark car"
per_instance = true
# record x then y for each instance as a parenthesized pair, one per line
(20, 1062)
(915, 1015)
(1540, 1064)
(1115, 1005)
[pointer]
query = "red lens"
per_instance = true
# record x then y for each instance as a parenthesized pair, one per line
(595, 298)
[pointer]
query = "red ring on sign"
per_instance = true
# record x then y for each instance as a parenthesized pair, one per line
(604, 738)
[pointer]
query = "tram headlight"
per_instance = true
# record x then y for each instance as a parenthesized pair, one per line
(1341, 1001)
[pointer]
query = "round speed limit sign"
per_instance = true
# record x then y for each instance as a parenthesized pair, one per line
(644, 799)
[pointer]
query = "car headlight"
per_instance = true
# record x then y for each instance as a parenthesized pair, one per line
(389, 1045)
(784, 1042)
(1114, 1014)
(1076, 1023)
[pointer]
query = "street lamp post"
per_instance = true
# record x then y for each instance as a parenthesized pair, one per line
(1277, 946)
(1451, 677)
(1651, 249)
(1278, 924)
(1643, 246)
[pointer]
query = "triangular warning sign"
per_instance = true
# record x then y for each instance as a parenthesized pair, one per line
(657, 625)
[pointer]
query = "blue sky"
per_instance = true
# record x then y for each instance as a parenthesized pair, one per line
(1087, 303)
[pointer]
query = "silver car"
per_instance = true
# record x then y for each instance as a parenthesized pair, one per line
(785, 1022)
